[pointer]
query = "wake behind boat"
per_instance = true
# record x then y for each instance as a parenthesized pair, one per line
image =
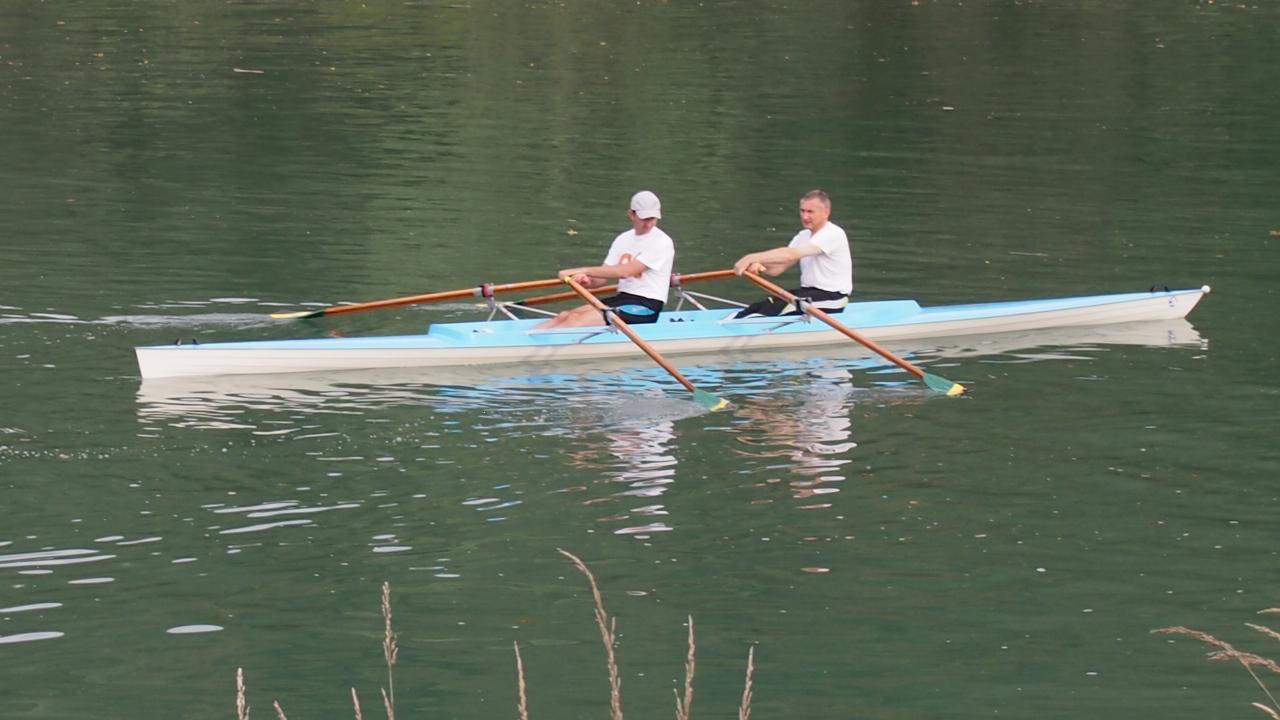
(677, 332)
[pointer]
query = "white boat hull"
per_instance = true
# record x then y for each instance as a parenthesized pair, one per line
(698, 331)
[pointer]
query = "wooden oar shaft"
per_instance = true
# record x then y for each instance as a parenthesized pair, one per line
(708, 275)
(675, 280)
(619, 323)
(835, 324)
(479, 291)
(557, 297)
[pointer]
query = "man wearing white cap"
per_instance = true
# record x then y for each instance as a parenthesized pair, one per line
(640, 259)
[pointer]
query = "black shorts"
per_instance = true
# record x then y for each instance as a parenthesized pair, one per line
(633, 309)
(773, 306)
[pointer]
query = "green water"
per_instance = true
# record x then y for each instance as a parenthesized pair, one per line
(184, 169)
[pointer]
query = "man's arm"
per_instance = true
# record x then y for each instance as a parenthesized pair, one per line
(598, 275)
(775, 261)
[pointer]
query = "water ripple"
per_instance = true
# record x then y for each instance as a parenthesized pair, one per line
(193, 629)
(29, 637)
(262, 526)
(29, 608)
(52, 557)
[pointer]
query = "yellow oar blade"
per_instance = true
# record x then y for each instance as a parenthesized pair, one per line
(714, 403)
(943, 385)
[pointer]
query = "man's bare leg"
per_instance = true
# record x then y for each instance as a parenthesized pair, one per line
(581, 316)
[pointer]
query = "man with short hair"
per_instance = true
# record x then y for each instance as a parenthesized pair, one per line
(826, 263)
(640, 259)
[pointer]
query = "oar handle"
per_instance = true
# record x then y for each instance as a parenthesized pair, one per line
(847, 331)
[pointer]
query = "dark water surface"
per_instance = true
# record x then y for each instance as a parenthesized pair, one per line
(176, 170)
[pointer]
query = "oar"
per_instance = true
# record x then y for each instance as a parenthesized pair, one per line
(569, 295)
(675, 280)
(940, 384)
(479, 291)
(702, 397)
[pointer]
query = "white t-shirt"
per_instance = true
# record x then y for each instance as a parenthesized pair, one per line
(832, 269)
(658, 253)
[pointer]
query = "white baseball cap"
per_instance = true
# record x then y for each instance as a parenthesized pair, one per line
(646, 205)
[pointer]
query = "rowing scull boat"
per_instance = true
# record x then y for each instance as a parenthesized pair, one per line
(676, 332)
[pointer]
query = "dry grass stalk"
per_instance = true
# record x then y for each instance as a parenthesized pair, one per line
(1258, 680)
(744, 711)
(355, 701)
(1246, 659)
(522, 706)
(608, 627)
(390, 707)
(1275, 715)
(390, 651)
(1265, 631)
(682, 708)
(608, 635)
(242, 705)
(1225, 652)
(1203, 637)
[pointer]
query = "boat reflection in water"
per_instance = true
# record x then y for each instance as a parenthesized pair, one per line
(247, 401)
(614, 424)
(803, 439)
(637, 458)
